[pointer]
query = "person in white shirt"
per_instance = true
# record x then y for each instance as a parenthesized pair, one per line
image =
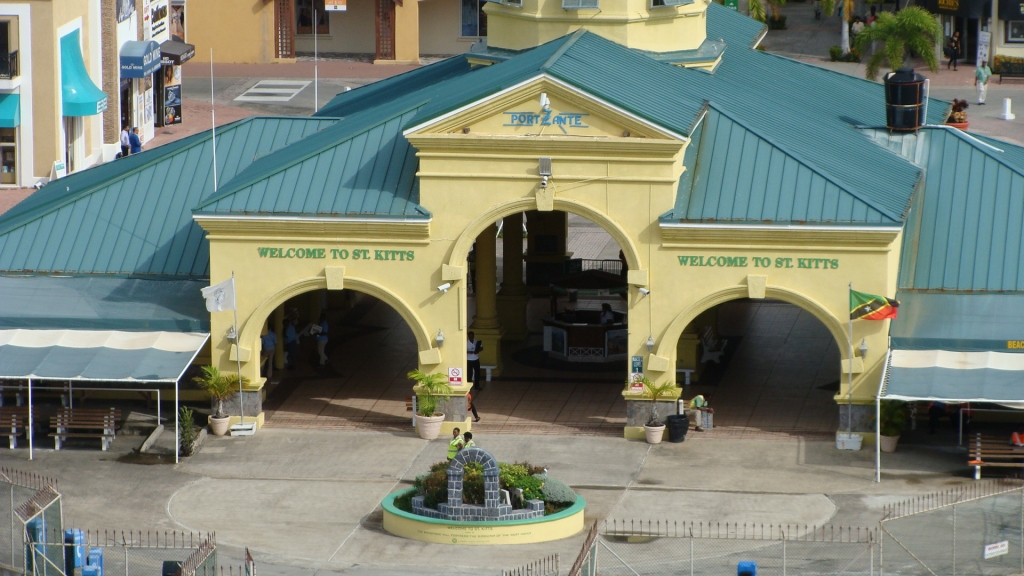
(607, 317)
(125, 144)
(473, 348)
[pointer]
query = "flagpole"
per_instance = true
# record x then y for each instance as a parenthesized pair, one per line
(213, 131)
(849, 392)
(238, 349)
(316, 73)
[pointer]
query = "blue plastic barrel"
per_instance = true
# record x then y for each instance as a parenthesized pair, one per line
(94, 559)
(745, 568)
(74, 549)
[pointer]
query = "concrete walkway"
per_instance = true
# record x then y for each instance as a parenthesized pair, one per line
(306, 502)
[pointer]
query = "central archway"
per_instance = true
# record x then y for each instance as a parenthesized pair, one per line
(462, 246)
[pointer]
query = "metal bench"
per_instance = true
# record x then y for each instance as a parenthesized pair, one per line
(98, 423)
(713, 346)
(13, 422)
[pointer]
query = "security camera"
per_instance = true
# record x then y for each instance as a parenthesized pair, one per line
(544, 181)
(644, 292)
(445, 287)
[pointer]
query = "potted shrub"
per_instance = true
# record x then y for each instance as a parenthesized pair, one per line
(895, 415)
(221, 387)
(958, 115)
(655, 428)
(429, 390)
(187, 432)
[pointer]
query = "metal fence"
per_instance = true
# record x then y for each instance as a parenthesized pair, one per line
(586, 561)
(633, 547)
(977, 529)
(32, 538)
(546, 566)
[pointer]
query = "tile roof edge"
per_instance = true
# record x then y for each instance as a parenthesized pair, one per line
(813, 167)
(178, 146)
(233, 188)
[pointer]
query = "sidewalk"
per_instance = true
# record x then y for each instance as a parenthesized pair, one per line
(303, 68)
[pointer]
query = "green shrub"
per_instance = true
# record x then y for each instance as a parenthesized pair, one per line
(557, 491)
(1011, 61)
(404, 502)
(186, 431)
(835, 53)
(777, 23)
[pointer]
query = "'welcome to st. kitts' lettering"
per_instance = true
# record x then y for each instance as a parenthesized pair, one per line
(758, 262)
(337, 253)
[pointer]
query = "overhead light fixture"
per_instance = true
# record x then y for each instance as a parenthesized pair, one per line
(445, 287)
(863, 348)
(439, 339)
(644, 292)
(650, 343)
(231, 334)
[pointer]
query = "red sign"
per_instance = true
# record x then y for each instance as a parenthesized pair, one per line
(455, 376)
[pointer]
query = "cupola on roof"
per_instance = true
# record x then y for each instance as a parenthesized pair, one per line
(649, 25)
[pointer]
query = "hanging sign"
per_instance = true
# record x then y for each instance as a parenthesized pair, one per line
(997, 549)
(637, 373)
(335, 5)
(455, 376)
(59, 170)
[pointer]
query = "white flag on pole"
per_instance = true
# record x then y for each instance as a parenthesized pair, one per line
(220, 297)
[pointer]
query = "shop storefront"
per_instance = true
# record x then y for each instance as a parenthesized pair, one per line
(81, 99)
(1009, 33)
(968, 17)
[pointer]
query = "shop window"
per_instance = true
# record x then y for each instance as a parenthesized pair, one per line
(9, 48)
(1015, 31)
(304, 10)
(8, 156)
(474, 19)
(661, 3)
(577, 4)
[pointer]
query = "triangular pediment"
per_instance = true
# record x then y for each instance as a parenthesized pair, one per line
(544, 106)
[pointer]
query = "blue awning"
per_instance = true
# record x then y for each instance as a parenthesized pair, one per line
(139, 58)
(81, 96)
(10, 110)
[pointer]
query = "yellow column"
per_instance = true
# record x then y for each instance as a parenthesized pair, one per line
(486, 324)
(407, 32)
(512, 298)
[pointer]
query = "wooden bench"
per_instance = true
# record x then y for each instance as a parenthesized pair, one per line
(98, 423)
(714, 347)
(994, 452)
(13, 422)
(487, 372)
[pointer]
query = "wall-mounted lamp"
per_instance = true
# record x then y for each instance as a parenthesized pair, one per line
(545, 102)
(863, 348)
(231, 334)
(650, 343)
(644, 292)
(445, 287)
(439, 339)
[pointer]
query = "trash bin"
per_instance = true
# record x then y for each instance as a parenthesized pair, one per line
(678, 426)
(746, 568)
(74, 549)
(170, 567)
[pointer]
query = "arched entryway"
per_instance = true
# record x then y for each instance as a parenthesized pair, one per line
(768, 365)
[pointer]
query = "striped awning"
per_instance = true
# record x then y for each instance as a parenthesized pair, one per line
(97, 355)
(954, 376)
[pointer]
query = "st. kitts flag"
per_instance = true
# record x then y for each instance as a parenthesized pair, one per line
(870, 307)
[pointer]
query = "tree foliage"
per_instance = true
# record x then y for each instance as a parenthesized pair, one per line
(912, 29)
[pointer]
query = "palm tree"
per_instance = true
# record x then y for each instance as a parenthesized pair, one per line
(431, 388)
(913, 29)
(220, 385)
(829, 7)
(756, 9)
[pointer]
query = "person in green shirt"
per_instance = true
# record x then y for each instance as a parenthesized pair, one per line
(455, 444)
(697, 405)
(981, 75)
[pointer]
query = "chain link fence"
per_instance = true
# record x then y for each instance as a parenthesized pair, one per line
(32, 539)
(631, 548)
(973, 530)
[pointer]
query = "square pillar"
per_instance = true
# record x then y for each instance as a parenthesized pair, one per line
(512, 298)
(407, 32)
(486, 323)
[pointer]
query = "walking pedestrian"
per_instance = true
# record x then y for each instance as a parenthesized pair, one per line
(126, 145)
(455, 444)
(291, 342)
(320, 330)
(981, 75)
(473, 349)
(472, 407)
(953, 51)
(134, 142)
(268, 346)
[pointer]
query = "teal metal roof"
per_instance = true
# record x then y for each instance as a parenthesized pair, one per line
(361, 167)
(133, 216)
(966, 229)
(739, 176)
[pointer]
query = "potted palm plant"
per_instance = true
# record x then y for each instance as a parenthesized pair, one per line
(221, 387)
(911, 29)
(893, 422)
(430, 388)
(655, 428)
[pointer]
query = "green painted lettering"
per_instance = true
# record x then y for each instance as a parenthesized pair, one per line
(263, 252)
(835, 263)
(379, 255)
(410, 254)
(803, 263)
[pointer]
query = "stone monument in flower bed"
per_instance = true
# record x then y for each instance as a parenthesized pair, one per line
(475, 487)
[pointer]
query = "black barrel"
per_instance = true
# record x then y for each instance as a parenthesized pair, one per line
(904, 100)
(678, 426)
